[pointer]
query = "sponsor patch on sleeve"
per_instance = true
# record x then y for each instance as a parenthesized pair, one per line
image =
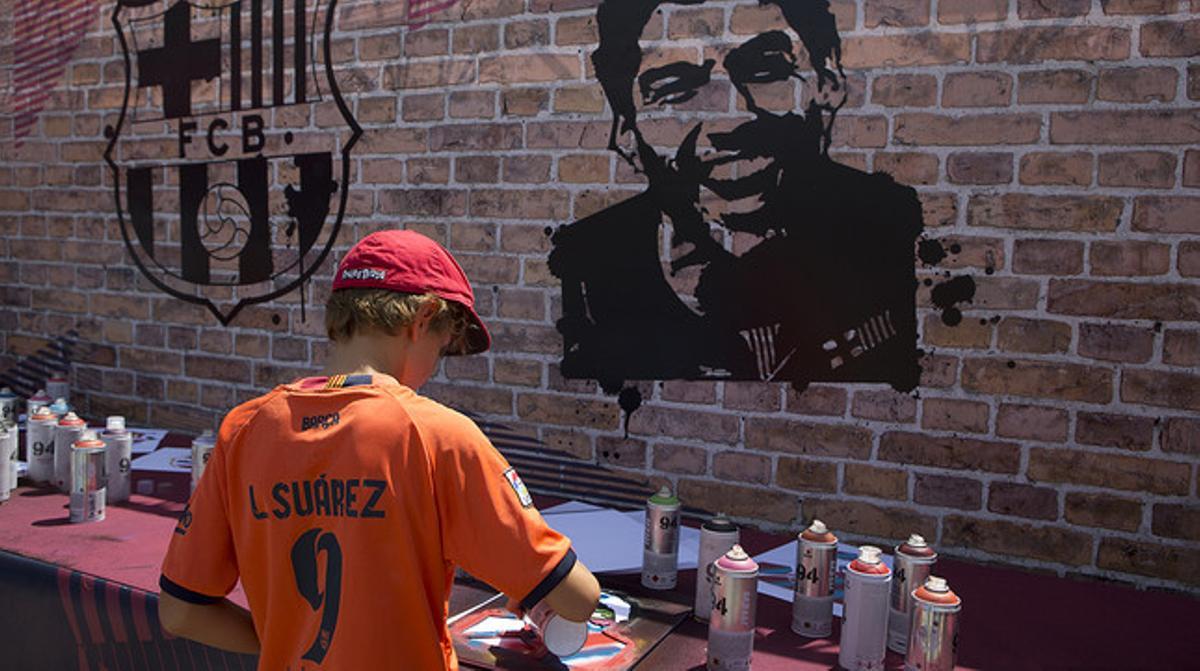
(514, 481)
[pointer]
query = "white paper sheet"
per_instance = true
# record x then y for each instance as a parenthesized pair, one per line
(166, 460)
(606, 541)
(146, 440)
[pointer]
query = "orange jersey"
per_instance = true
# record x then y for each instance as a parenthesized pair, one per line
(344, 506)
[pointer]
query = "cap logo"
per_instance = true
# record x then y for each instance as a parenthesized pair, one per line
(363, 274)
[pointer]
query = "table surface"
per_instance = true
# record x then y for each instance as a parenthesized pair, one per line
(1011, 619)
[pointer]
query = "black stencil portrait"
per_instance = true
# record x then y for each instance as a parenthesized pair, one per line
(223, 199)
(752, 255)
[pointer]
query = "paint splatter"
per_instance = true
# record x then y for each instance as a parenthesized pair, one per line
(931, 252)
(630, 399)
(947, 295)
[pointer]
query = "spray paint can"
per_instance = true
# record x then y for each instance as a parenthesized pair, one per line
(913, 563)
(65, 434)
(87, 478)
(933, 637)
(58, 387)
(118, 453)
(864, 623)
(202, 447)
(660, 547)
(39, 398)
(561, 636)
(717, 536)
(8, 407)
(60, 406)
(8, 459)
(39, 444)
(735, 602)
(816, 566)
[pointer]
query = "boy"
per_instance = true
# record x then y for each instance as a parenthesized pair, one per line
(344, 502)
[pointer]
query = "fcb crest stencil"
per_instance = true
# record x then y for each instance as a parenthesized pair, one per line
(225, 196)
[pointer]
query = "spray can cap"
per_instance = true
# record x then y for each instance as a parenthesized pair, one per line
(818, 527)
(6, 392)
(60, 406)
(43, 412)
(115, 423)
(664, 497)
(71, 419)
(916, 541)
(935, 584)
(869, 554)
(88, 439)
(207, 433)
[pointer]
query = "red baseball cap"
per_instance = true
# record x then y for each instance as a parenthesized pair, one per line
(410, 263)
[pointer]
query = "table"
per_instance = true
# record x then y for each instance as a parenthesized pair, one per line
(82, 597)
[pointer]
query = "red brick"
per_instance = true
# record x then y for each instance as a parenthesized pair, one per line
(948, 492)
(472, 104)
(980, 168)
(967, 335)
(477, 169)
(519, 69)
(904, 90)
(1118, 300)
(948, 414)
(216, 368)
(567, 135)
(743, 467)
(977, 89)
(1139, 6)
(423, 202)
(519, 204)
(1112, 471)
(816, 400)
(1193, 85)
(1005, 293)
(1171, 38)
(1047, 257)
(1180, 391)
(1109, 430)
(584, 168)
(1191, 168)
(1054, 86)
(434, 74)
(754, 396)
(1009, 498)
(1177, 521)
(938, 370)
(521, 34)
(713, 427)
(1138, 169)
(1053, 43)
(682, 391)
(884, 405)
(1032, 422)
(476, 39)
(1049, 213)
(1131, 127)
(1150, 559)
(475, 137)
(680, 459)
(806, 475)
(740, 501)
(868, 519)
(1057, 168)
(524, 101)
(526, 170)
(944, 452)
(874, 481)
(905, 50)
(1038, 9)
(428, 171)
(519, 372)
(1167, 215)
(696, 23)
(831, 440)
(1046, 543)
(1181, 348)
(896, 13)
(1189, 259)
(908, 167)
(1138, 85)
(1112, 342)
(971, 11)
(568, 411)
(981, 129)
(1101, 510)
(584, 99)
(939, 209)
(1038, 379)
(623, 452)
(571, 30)
(1130, 258)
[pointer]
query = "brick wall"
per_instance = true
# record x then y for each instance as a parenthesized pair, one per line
(1056, 143)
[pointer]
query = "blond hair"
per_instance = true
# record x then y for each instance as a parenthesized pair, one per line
(350, 312)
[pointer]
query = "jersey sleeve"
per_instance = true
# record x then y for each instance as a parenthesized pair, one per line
(200, 566)
(489, 524)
